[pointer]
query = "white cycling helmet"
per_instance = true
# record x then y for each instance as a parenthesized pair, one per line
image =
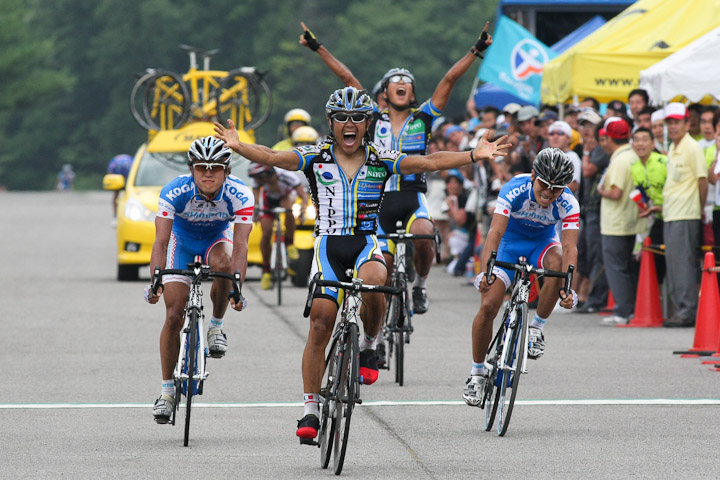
(209, 150)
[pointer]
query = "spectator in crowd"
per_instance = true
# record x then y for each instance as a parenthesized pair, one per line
(694, 120)
(657, 119)
(542, 123)
(489, 116)
(571, 116)
(462, 218)
(594, 162)
(684, 195)
(643, 119)
(456, 139)
(590, 102)
(707, 129)
(637, 100)
(616, 108)
(529, 141)
(713, 175)
(560, 135)
(619, 222)
(649, 175)
(66, 178)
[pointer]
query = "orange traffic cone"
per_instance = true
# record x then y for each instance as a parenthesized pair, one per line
(707, 322)
(608, 310)
(648, 311)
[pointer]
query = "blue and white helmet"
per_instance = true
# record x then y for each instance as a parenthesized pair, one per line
(209, 150)
(349, 100)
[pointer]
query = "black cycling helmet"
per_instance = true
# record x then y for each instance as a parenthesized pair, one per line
(553, 167)
(258, 169)
(209, 150)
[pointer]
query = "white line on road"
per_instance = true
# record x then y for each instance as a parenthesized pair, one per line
(379, 403)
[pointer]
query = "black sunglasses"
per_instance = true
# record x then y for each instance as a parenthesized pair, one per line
(355, 117)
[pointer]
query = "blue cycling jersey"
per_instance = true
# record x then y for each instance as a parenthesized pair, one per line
(195, 217)
(530, 220)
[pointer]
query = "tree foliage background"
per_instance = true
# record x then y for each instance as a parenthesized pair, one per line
(68, 65)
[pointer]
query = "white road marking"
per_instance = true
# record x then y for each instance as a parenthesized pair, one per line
(378, 403)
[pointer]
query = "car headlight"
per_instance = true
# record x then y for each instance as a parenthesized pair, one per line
(137, 212)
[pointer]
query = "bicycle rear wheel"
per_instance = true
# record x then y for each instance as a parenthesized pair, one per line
(511, 380)
(192, 370)
(347, 382)
(326, 433)
(278, 269)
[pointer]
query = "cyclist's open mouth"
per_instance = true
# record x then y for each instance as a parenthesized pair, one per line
(349, 138)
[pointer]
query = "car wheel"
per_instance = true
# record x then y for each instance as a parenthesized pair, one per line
(127, 273)
(302, 268)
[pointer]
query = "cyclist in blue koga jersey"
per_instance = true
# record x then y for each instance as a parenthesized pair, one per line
(523, 224)
(406, 127)
(347, 176)
(207, 213)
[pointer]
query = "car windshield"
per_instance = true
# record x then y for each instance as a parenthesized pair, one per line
(159, 168)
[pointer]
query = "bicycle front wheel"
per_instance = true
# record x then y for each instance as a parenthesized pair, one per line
(326, 433)
(491, 395)
(347, 379)
(191, 371)
(513, 359)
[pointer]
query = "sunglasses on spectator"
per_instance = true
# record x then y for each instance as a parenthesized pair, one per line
(355, 117)
(554, 188)
(399, 78)
(556, 132)
(213, 167)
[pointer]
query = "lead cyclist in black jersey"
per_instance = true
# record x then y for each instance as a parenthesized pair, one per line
(347, 176)
(406, 127)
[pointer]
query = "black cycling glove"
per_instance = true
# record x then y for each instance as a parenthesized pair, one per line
(480, 45)
(312, 41)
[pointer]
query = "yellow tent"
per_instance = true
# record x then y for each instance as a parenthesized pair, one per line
(607, 63)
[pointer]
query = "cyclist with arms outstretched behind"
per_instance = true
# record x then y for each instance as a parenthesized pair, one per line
(406, 126)
(347, 176)
(208, 213)
(523, 224)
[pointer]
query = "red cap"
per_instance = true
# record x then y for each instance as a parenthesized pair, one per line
(617, 128)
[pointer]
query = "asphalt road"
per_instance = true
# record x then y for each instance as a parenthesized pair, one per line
(80, 361)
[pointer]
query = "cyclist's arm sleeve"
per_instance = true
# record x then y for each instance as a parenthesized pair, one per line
(571, 218)
(243, 205)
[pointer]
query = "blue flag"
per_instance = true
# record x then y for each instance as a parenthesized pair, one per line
(515, 61)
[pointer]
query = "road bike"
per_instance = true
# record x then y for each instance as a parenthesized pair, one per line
(340, 389)
(193, 351)
(507, 354)
(398, 319)
(278, 257)
(164, 100)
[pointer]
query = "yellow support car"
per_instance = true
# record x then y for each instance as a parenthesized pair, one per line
(156, 163)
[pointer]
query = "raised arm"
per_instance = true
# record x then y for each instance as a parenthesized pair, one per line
(308, 39)
(447, 160)
(255, 153)
(442, 92)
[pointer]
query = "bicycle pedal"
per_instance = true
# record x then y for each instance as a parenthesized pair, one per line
(217, 354)
(358, 401)
(309, 441)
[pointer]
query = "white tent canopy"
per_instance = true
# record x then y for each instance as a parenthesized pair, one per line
(692, 72)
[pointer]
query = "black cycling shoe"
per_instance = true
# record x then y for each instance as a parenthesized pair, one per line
(420, 300)
(307, 427)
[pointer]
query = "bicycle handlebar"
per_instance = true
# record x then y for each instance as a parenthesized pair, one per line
(525, 268)
(200, 272)
(355, 285)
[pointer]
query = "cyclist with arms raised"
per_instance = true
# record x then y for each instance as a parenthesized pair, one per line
(274, 187)
(347, 176)
(209, 213)
(406, 127)
(523, 224)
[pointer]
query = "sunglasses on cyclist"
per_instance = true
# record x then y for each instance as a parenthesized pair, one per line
(553, 188)
(213, 167)
(355, 117)
(400, 78)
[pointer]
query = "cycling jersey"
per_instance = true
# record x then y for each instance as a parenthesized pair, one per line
(413, 139)
(197, 218)
(287, 182)
(530, 220)
(531, 228)
(650, 177)
(347, 206)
